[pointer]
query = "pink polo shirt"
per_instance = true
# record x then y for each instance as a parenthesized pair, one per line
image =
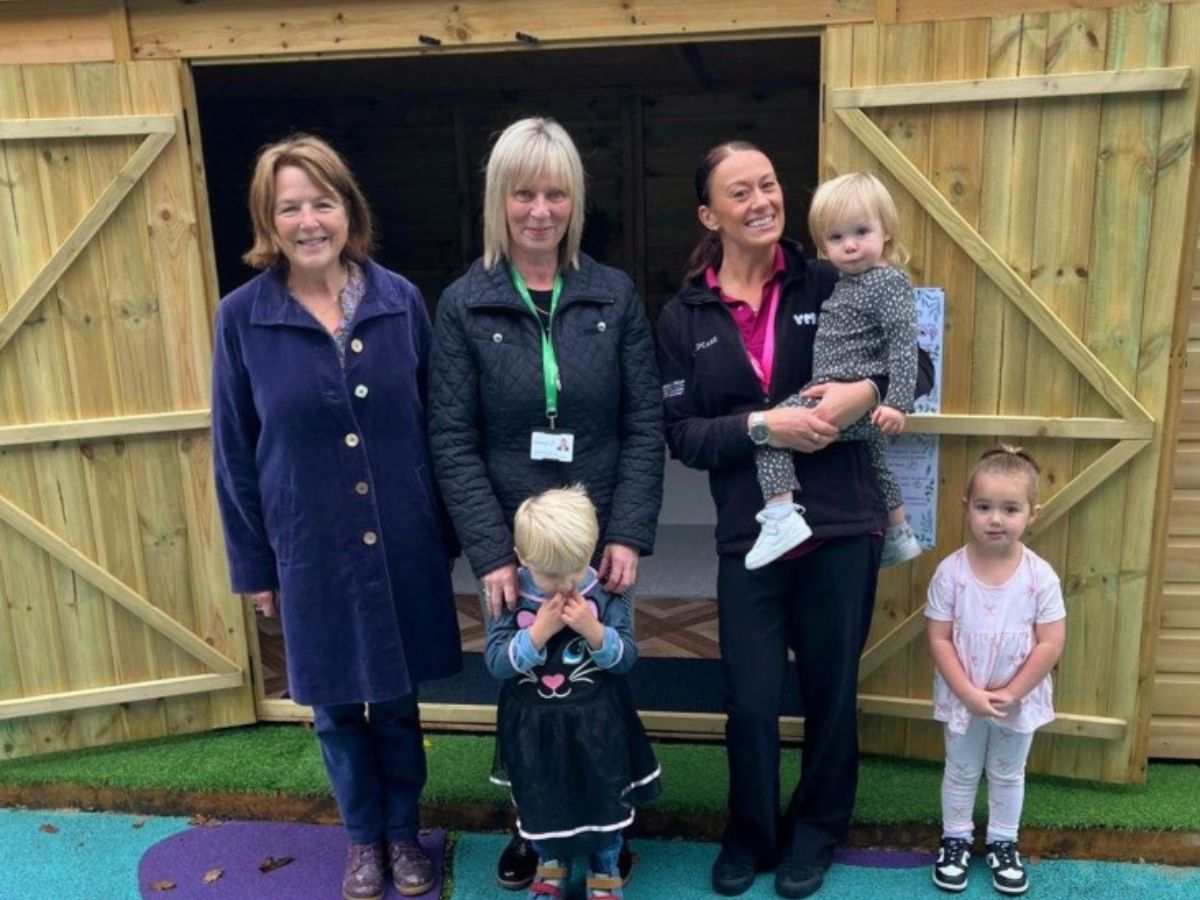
(758, 335)
(757, 327)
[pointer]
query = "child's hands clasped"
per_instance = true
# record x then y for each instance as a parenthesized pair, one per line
(548, 621)
(577, 614)
(982, 702)
(888, 419)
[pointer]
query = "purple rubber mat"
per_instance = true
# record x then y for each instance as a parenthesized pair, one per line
(883, 859)
(239, 849)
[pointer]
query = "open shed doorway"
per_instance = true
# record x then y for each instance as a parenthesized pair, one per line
(416, 131)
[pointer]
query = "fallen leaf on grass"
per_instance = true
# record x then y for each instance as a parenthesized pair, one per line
(160, 886)
(48, 829)
(200, 820)
(213, 875)
(271, 863)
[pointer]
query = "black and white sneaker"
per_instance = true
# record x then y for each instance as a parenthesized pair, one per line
(950, 870)
(1008, 872)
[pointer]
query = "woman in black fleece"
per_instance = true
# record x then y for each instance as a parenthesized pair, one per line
(736, 340)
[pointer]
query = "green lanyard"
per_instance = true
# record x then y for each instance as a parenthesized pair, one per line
(549, 362)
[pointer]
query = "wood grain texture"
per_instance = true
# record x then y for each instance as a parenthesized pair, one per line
(228, 28)
(984, 90)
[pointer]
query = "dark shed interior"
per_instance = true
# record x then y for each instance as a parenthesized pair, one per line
(416, 131)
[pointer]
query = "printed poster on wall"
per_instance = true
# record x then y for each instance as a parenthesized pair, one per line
(914, 457)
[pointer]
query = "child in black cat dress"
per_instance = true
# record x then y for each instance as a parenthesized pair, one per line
(569, 743)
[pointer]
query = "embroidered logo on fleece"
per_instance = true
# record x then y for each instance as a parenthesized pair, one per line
(805, 318)
(705, 344)
(673, 389)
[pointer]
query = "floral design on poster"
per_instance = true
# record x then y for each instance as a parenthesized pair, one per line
(914, 457)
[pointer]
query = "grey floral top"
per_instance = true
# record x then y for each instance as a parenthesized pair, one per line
(349, 298)
(868, 327)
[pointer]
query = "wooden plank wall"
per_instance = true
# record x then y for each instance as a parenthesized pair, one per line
(1054, 186)
(991, 169)
(126, 331)
(1175, 726)
(82, 30)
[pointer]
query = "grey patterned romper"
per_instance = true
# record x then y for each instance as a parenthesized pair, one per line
(868, 327)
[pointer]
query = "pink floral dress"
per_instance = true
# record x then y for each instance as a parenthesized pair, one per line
(994, 633)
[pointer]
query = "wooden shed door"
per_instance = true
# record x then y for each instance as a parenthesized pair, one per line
(115, 622)
(1042, 166)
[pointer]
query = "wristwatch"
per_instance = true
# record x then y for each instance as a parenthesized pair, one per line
(759, 432)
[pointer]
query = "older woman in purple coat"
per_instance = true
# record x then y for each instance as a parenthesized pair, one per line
(323, 479)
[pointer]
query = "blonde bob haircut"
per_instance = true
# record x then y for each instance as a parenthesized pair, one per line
(524, 150)
(1005, 459)
(858, 193)
(329, 172)
(555, 532)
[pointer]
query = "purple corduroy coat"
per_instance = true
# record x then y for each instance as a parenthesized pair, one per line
(325, 487)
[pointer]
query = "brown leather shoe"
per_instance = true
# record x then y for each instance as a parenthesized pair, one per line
(412, 870)
(364, 872)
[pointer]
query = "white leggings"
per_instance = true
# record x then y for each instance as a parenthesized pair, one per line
(989, 747)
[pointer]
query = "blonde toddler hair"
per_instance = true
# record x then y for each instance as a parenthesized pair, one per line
(556, 531)
(857, 192)
(1005, 459)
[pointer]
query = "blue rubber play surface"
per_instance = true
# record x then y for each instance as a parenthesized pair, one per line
(101, 856)
(76, 855)
(678, 870)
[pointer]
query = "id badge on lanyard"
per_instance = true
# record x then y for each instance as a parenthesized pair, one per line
(549, 444)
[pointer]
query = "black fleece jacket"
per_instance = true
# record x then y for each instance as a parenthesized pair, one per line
(710, 388)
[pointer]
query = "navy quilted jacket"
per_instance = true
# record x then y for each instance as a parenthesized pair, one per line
(486, 397)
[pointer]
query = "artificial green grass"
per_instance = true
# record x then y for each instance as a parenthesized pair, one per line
(283, 759)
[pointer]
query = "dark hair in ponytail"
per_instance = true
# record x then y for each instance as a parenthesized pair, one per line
(708, 251)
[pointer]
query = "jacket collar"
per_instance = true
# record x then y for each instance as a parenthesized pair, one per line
(494, 288)
(273, 306)
(529, 591)
(696, 292)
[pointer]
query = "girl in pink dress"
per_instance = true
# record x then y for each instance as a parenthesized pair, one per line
(996, 624)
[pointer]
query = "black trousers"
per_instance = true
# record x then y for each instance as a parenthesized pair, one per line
(820, 606)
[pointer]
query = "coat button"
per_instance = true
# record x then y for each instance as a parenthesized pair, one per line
(601, 327)
(356, 345)
(370, 538)
(362, 488)
(497, 338)
(360, 391)
(352, 440)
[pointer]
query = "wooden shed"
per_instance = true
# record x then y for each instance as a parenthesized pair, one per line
(1042, 153)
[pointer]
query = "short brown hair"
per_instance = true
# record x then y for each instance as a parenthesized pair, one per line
(328, 171)
(1005, 459)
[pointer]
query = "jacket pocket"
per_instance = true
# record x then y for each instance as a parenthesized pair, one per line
(281, 518)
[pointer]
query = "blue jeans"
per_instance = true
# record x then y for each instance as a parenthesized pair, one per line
(601, 862)
(376, 764)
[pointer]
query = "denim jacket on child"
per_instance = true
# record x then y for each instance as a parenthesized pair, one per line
(510, 651)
